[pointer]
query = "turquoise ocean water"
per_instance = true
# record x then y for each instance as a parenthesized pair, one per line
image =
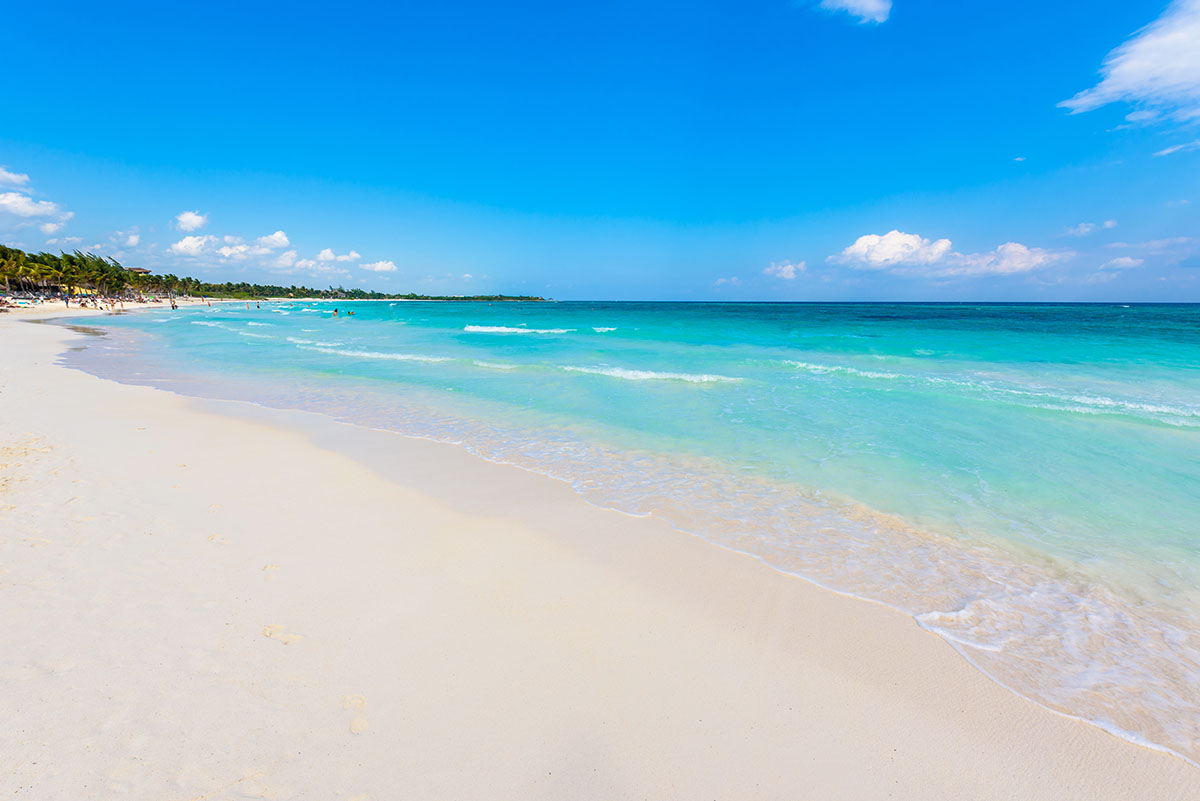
(1024, 480)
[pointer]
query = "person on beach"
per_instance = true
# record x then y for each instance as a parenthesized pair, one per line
(335, 312)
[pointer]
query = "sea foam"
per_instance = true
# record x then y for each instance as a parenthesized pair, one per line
(651, 375)
(370, 354)
(504, 329)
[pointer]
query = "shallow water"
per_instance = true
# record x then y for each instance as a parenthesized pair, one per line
(1024, 480)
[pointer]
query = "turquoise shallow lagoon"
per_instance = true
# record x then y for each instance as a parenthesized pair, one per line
(1024, 480)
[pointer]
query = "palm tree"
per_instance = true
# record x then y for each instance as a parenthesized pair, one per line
(11, 262)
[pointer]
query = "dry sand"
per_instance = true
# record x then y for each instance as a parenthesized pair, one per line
(204, 600)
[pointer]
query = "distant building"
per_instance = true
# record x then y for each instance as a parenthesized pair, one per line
(138, 270)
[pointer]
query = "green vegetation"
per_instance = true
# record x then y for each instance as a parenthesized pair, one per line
(46, 273)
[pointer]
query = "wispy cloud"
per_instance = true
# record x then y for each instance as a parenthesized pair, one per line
(1159, 67)
(1156, 245)
(1122, 263)
(1195, 145)
(1085, 228)
(864, 10)
(785, 269)
(1170, 251)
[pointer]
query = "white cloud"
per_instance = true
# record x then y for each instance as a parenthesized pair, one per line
(910, 254)
(132, 240)
(380, 267)
(289, 262)
(1195, 145)
(190, 220)
(1009, 258)
(1085, 228)
(1156, 245)
(51, 227)
(1159, 67)
(234, 251)
(66, 240)
(732, 280)
(1122, 263)
(876, 252)
(192, 245)
(1141, 115)
(1019, 158)
(865, 10)
(1172, 250)
(784, 269)
(276, 240)
(13, 178)
(328, 255)
(25, 206)
(236, 248)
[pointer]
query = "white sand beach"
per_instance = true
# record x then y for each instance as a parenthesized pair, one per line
(209, 600)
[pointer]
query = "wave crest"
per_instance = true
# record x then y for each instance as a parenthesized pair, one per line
(652, 375)
(505, 329)
(371, 354)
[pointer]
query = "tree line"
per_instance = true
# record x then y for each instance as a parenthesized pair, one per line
(47, 273)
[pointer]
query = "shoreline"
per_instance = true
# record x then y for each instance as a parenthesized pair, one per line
(1038, 606)
(630, 593)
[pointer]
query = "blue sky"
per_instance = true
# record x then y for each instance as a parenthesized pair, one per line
(762, 149)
